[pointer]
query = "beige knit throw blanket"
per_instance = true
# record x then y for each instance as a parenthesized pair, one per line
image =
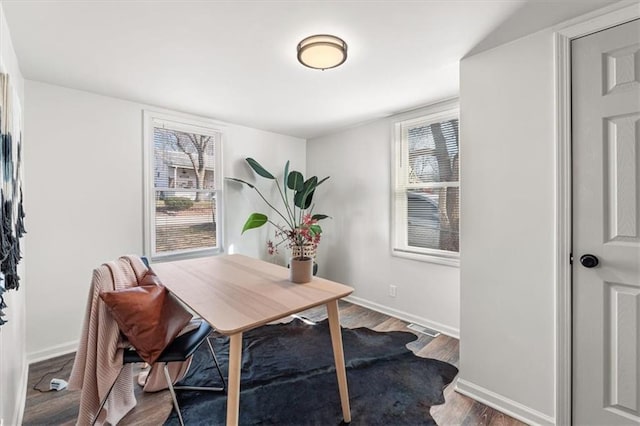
(99, 357)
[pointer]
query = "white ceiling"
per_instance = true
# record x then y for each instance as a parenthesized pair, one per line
(235, 61)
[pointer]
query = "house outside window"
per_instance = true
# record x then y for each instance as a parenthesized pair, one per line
(426, 186)
(183, 182)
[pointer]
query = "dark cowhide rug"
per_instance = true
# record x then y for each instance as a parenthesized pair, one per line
(288, 378)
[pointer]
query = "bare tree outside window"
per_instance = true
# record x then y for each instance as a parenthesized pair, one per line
(431, 185)
(195, 147)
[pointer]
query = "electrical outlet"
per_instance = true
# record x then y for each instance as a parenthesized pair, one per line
(392, 290)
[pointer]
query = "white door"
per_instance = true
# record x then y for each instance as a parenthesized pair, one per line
(606, 225)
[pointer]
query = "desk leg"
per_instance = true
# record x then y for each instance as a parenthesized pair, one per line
(338, 356)
(235, 365)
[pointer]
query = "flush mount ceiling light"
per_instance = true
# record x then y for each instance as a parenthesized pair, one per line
(322, 51)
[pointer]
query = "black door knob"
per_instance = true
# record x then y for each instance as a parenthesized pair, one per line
(589, 261)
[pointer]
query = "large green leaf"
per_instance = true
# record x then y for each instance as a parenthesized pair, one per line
(315, 229)
(319, 183)
(255, 220)
(241, 181)
(295, 181)
(308, 200)
(286, 177)
(259, 169)
(303, 198)
(318, 216)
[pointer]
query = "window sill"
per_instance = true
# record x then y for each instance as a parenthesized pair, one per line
(159, 258)
(430, 258)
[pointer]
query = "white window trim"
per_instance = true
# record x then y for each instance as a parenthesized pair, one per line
(399, 248)
(186, 123)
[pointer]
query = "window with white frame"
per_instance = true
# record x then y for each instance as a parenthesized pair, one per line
(183, 175)
(426, 193)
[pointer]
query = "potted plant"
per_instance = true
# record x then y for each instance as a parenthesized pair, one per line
(299, 229)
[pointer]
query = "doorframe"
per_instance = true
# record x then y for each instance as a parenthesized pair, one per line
(610, 16)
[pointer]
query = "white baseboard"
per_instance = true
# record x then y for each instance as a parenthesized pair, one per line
(22, 391)
(66, 348)
(52, 352)
(503, 404)
(444, 329)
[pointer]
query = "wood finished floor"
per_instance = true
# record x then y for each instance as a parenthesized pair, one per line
(61, 408)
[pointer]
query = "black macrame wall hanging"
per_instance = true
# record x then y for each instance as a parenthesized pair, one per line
(11, 210)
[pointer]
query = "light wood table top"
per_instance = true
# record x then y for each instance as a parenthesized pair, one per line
(236, 293)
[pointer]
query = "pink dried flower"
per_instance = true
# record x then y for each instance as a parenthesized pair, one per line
(308, 220)
(271, 248)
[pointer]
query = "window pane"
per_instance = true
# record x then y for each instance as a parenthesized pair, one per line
(183, 160)
(426, 202)
(433, 152)
(433, 218)
(185, 220)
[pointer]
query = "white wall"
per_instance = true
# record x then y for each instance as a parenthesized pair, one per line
(356, 248)
(13, 362)
(507, 341)
(85, 199)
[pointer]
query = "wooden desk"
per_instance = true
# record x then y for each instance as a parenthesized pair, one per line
(235, 293)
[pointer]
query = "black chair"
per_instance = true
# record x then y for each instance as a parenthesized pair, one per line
(180, 349)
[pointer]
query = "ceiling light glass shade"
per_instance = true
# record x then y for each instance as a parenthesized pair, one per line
(322, 51)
